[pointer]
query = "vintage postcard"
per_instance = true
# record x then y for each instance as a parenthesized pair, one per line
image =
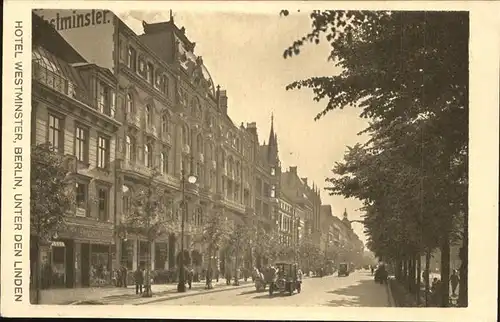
(316, 160)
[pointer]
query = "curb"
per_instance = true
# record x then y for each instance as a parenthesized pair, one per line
(389, 294)
(164, 299)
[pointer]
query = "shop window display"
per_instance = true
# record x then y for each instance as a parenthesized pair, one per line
(99, 269)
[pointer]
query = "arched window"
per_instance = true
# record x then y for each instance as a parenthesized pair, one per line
(193, 139)
(148, 156)
(150, 73)
(149, 115)
(163, 163)
(164, 123)
(164, 84)
(128, 148)
(131, 61)
(126, 199)
(199, 143)
(129, 106)
(185, 135)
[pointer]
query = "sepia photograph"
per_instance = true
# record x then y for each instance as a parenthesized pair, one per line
(290, 158)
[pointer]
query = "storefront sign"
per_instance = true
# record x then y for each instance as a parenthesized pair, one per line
(81, 232)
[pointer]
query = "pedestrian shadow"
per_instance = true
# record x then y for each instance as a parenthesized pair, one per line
(249, 292)
(359, 294)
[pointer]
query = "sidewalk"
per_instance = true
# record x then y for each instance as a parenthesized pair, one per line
(120, 295)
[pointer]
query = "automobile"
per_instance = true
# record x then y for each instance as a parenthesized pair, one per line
(286, 279)
(343, 269)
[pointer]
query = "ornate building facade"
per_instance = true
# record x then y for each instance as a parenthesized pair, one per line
(73, 110)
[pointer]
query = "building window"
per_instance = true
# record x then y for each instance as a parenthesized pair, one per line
(102, 152)
(164, 84)
(103, 102)
(149, 115)
(199, 143)
(158, 81)
(164, 124)
(81, 199)
(142, 67)
(129, 105)
(81, 144)
(148, 156)
(273, 171)
(185, 135)
(164, 163)
(56, 133)
(131, 62)
(150, 73)
(129, 148)
(103, 204)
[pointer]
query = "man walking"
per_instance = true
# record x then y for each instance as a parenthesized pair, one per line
(454, 280)
(190, 277)
(139, 280)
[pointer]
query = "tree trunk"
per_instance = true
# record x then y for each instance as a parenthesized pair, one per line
(427, 276)
(37, 274)
(147, 276)
(445, 271)
(463, 294)
(209, 268)
(405, 272)
(410, 275)
(419, 280)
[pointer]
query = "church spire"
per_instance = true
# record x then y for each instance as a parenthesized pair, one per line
(345, 214)
(272, 136)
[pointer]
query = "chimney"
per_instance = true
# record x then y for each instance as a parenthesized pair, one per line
(252, 128)
(305, 180)
(293, 170)
(223, 101)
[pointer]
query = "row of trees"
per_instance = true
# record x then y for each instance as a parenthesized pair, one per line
(407, 73)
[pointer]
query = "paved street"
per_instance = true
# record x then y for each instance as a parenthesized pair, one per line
(358, 289)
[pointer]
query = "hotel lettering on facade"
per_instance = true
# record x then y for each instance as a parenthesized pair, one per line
(127, 104)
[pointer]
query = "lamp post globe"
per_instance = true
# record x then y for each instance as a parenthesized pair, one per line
(181, 286)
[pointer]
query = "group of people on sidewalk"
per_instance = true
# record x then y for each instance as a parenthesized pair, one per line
(436, 287)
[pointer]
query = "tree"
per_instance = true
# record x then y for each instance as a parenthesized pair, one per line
(412, 174)
(150, 217)
(215, 233)
(237, 241)
(51, 198)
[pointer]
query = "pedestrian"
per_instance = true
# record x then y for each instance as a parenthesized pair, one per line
(124, 273)
(454, 279)
(139, 280)
(190, 276)
(372, 269)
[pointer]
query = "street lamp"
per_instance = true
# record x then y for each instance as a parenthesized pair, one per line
(181, 287)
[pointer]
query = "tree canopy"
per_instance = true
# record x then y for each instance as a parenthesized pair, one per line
(407, 73)
(51, 192)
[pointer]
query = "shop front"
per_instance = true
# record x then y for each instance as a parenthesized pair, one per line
(89, 257)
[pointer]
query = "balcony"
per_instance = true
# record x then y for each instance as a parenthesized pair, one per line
(132, 166)
(151, 129)
(235, 205)
(134, 120)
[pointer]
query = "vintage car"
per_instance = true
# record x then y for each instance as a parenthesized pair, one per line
(343, 269)
(286, 279)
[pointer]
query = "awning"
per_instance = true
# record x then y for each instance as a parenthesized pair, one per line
(57, 244)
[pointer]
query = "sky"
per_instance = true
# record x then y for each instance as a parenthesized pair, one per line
(244, 55)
